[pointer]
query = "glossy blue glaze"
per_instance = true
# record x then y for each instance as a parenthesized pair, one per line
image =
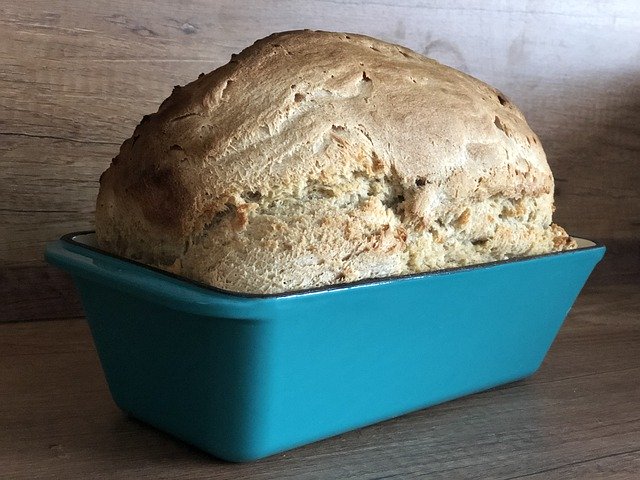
(243, 377)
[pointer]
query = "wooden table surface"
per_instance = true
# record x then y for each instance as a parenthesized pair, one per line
(577, 417)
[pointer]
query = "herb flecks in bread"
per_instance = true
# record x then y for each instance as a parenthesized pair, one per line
(314, 158)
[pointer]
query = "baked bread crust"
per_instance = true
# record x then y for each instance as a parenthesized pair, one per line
(314, 158)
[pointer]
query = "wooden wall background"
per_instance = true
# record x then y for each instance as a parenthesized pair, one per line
(77, 75)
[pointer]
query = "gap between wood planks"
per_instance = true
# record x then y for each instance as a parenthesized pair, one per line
(53, 137)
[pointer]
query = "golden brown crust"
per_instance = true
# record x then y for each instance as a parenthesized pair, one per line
(319, 157)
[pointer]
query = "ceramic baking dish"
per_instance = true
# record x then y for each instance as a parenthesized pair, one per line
(246, 376)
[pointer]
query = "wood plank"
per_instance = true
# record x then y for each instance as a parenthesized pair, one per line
(619, 466)
(77, 77)
(51, 191)
(576, 418)
(37, 292)
(621, 262)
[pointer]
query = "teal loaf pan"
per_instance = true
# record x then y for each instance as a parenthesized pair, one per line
(246, 376)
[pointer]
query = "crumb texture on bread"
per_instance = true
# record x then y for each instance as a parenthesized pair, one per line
(314, 158)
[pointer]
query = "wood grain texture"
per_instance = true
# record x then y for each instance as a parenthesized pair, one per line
(576, 418)
(78, 75)
(37, 292)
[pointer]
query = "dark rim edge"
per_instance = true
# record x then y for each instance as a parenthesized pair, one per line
(69, 238)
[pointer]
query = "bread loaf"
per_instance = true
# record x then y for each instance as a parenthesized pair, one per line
(316, 158)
